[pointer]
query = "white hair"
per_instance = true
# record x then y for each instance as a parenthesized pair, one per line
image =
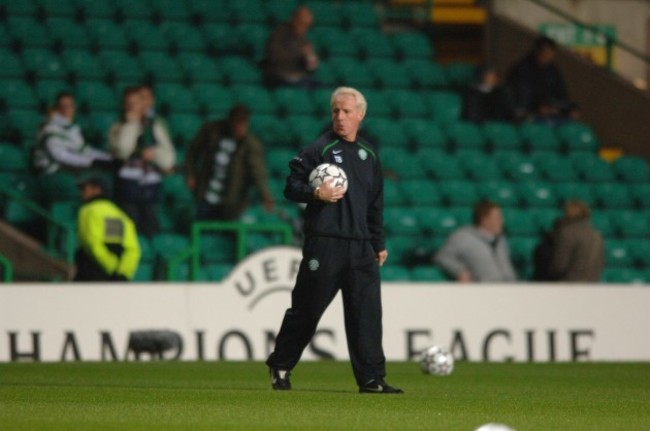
(362, 105)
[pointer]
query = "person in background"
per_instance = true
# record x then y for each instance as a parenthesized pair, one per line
(578, 252)
(142, 141)
(108, 242)
(290, 56)
(538, 85)
(480, 252)
(223, 161)
(343, 249)
(60, 143)
(486, 99)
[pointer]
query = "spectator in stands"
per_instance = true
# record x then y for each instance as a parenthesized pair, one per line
(543, 252)
(478, 253)
(486, 99)
(290, 56)
(142, 141)
(108, 242)
(60, 144)
(538, 86)
(578, 248)
(222, 162)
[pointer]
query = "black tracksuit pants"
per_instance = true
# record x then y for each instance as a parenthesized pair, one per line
(330, 264)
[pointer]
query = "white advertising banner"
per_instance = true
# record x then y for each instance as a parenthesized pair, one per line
(238, 318)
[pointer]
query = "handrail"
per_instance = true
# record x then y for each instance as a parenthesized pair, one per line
(7, 269)
(609, 40)
(41, 212)
(240, 229)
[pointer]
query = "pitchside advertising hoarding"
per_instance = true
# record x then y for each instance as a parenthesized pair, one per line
(238, 318)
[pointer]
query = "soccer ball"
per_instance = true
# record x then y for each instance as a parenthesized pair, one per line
(494, 427)
(436, 360)
(324, 172)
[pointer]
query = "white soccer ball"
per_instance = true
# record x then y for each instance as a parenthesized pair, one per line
(324, 172)
(494, 427)
(436, 360)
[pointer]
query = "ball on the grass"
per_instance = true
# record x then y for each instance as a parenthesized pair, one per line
(494, 427)
(436, 360)
(326, 171)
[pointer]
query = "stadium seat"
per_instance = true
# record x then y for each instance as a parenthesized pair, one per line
(348, 71)
(182, 37)
(358, 14)
(592, 168)
(18, 8)
(277, 161)
(256, 97)
(521, 254)
(577, 136)
(128, 10)
(90, 9)
(93, 95)
(253, 37)
(412, 45)
(401, 164)
(221, 38)
(327, 13)
(640, 250)
(378, 105)
(554, 167)
(400, 247)
(372, 42)
(425, 74)
(429, 273)
(613, 195)
(406, 103)
(161, 67)
(176, 98)
(44, 64)
(445, 106)
(387, 133)
(168, 245)
(420, 192)
(458, 193)
(27, 32)
(206, 10)
(217, 247)
(306, 128)
(248, 12)
(537, 194)
(59, 186)
(294, 101)
(460, 74)
(624, 275)
(393, 195)
(12, 66)
(389, 74)
(503, 193)
(440, 165)
(539, 137)
(66, 33)
(121, 66)
(16, 93)
(199, 68)
(171, 10)
(630, 223)
(83, 65)
(546, 217)
(463, 135)
(439, 222)
(279, 11)
(14, 158)
(331, 42)
(215, 99)
(273, 131)
(24, 123)
(601, 221)
(517, 167)
(106, 34)
(184, 127)
(63, 8)
(632, 169)
(618, 254)
(575, 191)
(145, 35)
(401, 221)
(239, 70)
(424, 133)
(478, 166)
(641, 195)
(519, 222)
(395, 272)
(501, 136)
(215, 272)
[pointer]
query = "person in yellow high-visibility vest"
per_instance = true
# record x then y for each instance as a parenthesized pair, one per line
(108, 242)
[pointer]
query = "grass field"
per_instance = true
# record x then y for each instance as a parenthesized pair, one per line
(237, 396)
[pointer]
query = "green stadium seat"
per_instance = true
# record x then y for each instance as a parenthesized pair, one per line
(122, 66)
(424, 133)
(217, 247)
(184, 127)
(128, 10)
(12, 66)
(326, 12)
(554, 167)
(618, 254)
(256, 97)
(465, 136)
(171, 10)
(440, 165)
(420, 192)
(176, 98)
(478, 166)
(613, 195)
(44, 64)
(400, 248)
(592, 168)
(90, 9)
(67, 33)
(413, 45)
(182, 37)
(83, 65)
(221, 38)
(97, 95)
(168, 245)
(402, 164)
(199, 68)
(107, 34)
(14, 158)
(632, 169)
(393, 194)
(601, 221)
(502, 193)
(215, 272)
(406, 103)
(388, 134)
(425, 74)
(331, 42)
(59, 186)
(378, 105)
(273, 131)
(321, 97)
(395, 272)
(25, 122)
(521, 254)
(539, 137)
(206, 10)
(519, 222)
(292, 101)
(277, 161)
(546, 217)
(501, 136)
(640, 250)
(624, 275)
(445, 106)
(517, 167)
(372, 42)
(389, 73)
(401, 221)
(460, 74)
(577, 136)
(65, 211)
(216, 99)
(537, 194)
(439, 222)
(99, 124)
(145, 35)
(65, 8)
(630, 223)
(239, 70)
(144, 273)
(253, 37)
(641, 195)
(348, 71)
(429, 273)
(161, 66)
(279, 11)
(248, 11)
(17, 8)
(458, 193)
(575, 190)
(17, 94)
(306, 128)
(28, 32)
(358, 14)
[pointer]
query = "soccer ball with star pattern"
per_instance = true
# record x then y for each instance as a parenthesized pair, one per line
(436, 360)
(326, 171)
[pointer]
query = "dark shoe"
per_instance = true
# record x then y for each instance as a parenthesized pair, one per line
(280, 379)
(379, 386)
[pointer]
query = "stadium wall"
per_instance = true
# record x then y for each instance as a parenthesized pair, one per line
(238, 318)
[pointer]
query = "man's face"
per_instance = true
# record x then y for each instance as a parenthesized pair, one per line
(239, 128)
(493, 221)
(346, 116)
(546, 56)
(89, 191)
(148, 99)
(66, 107)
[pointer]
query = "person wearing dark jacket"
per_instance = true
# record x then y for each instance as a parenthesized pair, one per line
(487, 99)
(222, 162)
(343, 249)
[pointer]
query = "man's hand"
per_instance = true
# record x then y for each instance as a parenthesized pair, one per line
(381, 257)
(464, 277)
(327, 193)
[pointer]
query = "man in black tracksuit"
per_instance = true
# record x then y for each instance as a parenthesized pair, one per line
(343, 249)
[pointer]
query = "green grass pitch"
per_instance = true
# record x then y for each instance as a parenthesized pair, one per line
(237, 396)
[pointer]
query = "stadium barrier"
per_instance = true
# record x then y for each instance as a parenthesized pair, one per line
(238, 318)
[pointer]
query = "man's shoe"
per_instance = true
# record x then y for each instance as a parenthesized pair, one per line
(378, 386)
(280, 379)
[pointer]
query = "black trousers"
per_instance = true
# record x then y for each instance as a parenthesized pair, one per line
(330, 265)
